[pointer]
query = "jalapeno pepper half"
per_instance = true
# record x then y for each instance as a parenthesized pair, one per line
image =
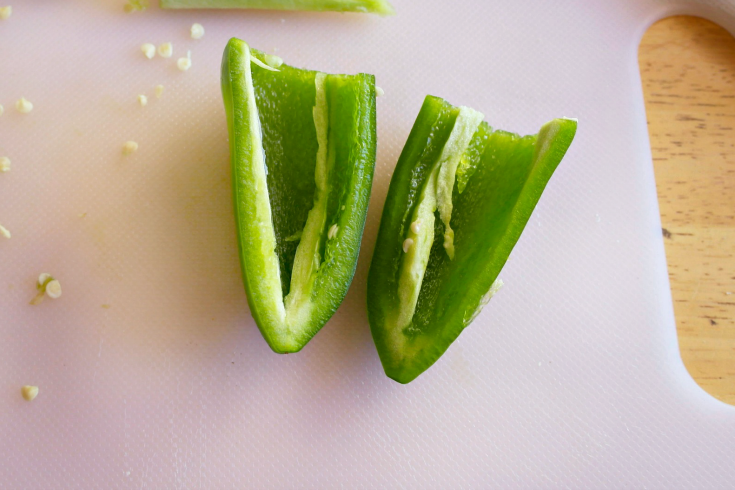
(302, 147)
(458, 201)
(381, 7)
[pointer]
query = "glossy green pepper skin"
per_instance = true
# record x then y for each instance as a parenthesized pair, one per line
(302, 147)
(496, 181)
(380, 7)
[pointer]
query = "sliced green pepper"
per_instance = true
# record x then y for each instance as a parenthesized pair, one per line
(380, 7)
(302, 147)
(458, 201)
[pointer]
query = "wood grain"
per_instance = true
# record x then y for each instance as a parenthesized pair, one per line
(688, 72)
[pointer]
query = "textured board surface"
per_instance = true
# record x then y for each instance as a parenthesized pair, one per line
(571, 377)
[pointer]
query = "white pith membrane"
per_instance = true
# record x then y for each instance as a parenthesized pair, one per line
(293, 311)
(307, 259)
(494, 288)
(436, 194)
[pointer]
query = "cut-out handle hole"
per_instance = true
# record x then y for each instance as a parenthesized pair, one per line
(688, 71)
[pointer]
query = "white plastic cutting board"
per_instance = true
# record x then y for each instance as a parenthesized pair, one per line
(571, 377)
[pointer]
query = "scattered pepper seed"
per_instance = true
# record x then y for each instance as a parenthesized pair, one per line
(273, 61)
(332, 231)
(379, 91)
(135, 6)
(166, 50)
(53, 289)
(197, 31)
(184, 63)
(149, 50)
(159, 91)
(416, 226)
(129, 148)
(29, 392)
(4, 164)
(143, 100)
(24, 106)
(256, 61)
(44, 280)
(407, 244)
(6, 12)
(4, 232)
